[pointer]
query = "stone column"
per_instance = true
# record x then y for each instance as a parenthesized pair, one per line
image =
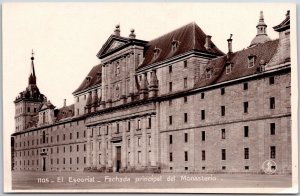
(144, 141)
(124, 144)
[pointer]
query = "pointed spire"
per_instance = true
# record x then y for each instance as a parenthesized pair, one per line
(261, 36)
(32, 77)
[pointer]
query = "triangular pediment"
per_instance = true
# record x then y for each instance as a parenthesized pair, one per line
(112, 43)
(47, 105)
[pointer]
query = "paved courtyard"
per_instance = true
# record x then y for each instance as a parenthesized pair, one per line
(94, 180)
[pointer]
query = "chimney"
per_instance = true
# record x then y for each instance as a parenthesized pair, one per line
(207, 42)
(65, 102)
(117, 30)
(132, 34)
(229, 44)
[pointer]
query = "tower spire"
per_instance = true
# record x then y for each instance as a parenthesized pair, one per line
(261, 36)
(32, 77)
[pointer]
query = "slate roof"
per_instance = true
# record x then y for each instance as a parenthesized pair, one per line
(93, 77)
(190, 37)
(239, 60)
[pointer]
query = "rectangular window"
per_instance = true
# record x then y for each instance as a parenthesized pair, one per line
(185, 117)
(84, 160)
(57, 138)
(77, 111)
(247, 167)
(223, 133)
(84, 134)
(202, 114)
(185, 63)
(77, 148)
(223, 154)
(202, 95)
(185, 99)
(139, 157)
(223, 110)
(170, 102)
(171, 156)
(139, 125)
(245, 86)
(186, 156)
(118, 128)
(77, 160)
(203, 135)
(71, 136)
(273, 152)
(272, 102)
(84, 147)
(185, 83)
(170, 87)
(170, 120)
(77, 135)
(222, 91)
(170, 69)
(64, 137)
(139, 141)
(149, 140)
(186, 137)
(128, 143)
(170, 139)
(271, 80)
(70, 148)
(272, 128)
(107, 128)
(128, 126)
(245, 107)
(149, 123)
(203, 155)
(246, 131)
(246, 153)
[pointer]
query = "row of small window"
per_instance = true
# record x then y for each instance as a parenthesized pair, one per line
(51, 161)
(245, 104)
(117, 130)
(171, 66)
(44, 139)
(49, 129)
(223, 133)
(51, 150)
(245, 85)
(223, 154)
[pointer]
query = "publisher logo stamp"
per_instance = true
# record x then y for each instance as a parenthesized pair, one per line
(269, 167)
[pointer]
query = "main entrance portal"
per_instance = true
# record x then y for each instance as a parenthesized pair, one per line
(118, 158)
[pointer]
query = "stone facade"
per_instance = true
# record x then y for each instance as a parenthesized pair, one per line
(173, 104)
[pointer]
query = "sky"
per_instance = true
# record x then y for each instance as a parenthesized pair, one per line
(66, 37)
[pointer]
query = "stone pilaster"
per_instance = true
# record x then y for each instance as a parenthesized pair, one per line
(144, 141)
(154, 136)
(124, 144)
(132, 143)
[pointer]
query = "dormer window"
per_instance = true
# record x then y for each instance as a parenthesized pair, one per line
(156, 52)
(175, 45)
(208, 73)
(88, 80)
(228, 68)
(251, 61)
(99, 75)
